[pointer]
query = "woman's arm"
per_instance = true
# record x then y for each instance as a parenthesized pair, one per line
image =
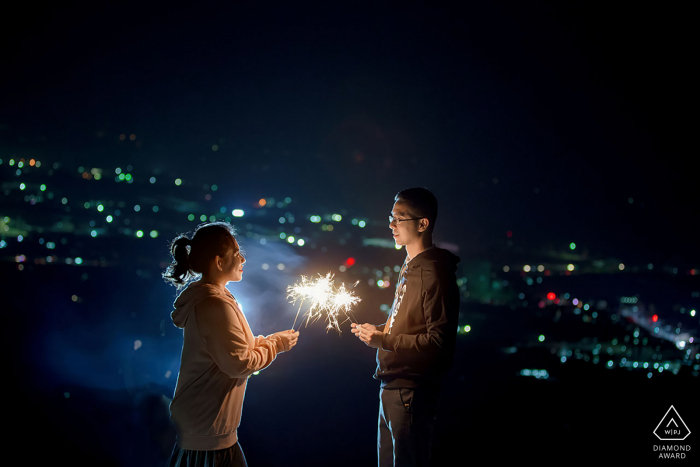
(224, 335)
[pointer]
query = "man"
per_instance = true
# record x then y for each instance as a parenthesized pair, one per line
(415, 347)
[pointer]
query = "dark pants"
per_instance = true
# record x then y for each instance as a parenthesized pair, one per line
(406, 425)
(229, 457)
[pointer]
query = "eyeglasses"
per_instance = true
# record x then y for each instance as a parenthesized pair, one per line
(393, 220)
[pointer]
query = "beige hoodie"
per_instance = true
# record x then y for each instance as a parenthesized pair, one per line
(219, 353)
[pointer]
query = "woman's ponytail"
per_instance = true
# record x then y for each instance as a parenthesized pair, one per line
(179, 270)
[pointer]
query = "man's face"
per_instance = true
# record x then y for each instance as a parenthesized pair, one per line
(404, 232)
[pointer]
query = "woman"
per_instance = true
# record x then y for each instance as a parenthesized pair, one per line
(219, 351)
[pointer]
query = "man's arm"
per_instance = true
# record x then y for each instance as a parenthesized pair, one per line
(441, 312)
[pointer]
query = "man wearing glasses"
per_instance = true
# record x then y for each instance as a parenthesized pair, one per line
(415, 347)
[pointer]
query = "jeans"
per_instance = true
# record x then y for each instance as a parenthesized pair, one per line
(406, 426)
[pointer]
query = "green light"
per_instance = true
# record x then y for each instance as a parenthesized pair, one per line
(178, 182)
(212, 218)
(572, 245)
(337, 217)
(110, 218)
(100, 208)
(361, 224)
(301, 242)
(283, 235)
(190, 217)
(152, 179)
(398, 247)
(202, 218)
(12, 162)
(20, 164)
(154, 233)
(128, 177)
(541, 338)
(93, 233)
(238, 213)
(467, 328)
(42, 187)
(139, 233)
(214, 188)
(22, 186)
(78, 260)
(122, 176)
(287, 200)
(86, 205)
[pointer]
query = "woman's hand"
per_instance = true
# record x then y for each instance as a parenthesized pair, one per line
(287, 339)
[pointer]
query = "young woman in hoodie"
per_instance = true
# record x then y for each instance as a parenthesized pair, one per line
(219, 352)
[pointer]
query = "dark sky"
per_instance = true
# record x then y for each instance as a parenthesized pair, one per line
(542, 119)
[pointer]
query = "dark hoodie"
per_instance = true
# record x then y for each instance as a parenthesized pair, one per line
(418, 346)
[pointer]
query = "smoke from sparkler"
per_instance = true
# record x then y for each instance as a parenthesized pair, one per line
(326, 299)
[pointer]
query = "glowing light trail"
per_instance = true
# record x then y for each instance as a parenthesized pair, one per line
(326, 299)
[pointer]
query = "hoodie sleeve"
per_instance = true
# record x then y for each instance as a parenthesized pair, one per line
(224, 336)
(440, 303)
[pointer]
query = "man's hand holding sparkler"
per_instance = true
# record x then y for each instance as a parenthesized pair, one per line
(368, 334)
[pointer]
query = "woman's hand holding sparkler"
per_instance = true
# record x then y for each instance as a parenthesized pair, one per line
(287, 339)
(368, 334)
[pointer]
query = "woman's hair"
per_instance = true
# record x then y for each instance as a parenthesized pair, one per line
(191, 257)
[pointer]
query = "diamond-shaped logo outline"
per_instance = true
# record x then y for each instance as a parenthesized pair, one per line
(679, 418)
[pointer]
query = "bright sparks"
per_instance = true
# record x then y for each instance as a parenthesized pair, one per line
(325, 299)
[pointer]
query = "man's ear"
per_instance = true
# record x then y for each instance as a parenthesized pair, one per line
(423, 224)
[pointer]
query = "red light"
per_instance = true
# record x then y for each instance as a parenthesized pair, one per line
(655, 318)
(551, 296)
(350, 261)
(509, 234)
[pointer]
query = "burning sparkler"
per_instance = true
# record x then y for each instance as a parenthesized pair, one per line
(325, 298)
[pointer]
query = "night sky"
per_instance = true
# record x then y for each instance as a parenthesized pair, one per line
(539, 119)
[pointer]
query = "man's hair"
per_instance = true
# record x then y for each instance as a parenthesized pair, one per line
(421, 202)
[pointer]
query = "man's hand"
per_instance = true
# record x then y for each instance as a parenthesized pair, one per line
(368, 334)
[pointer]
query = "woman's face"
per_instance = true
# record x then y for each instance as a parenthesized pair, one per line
(233, 266)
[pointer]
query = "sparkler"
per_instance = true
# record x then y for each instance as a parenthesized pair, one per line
(326, 299)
